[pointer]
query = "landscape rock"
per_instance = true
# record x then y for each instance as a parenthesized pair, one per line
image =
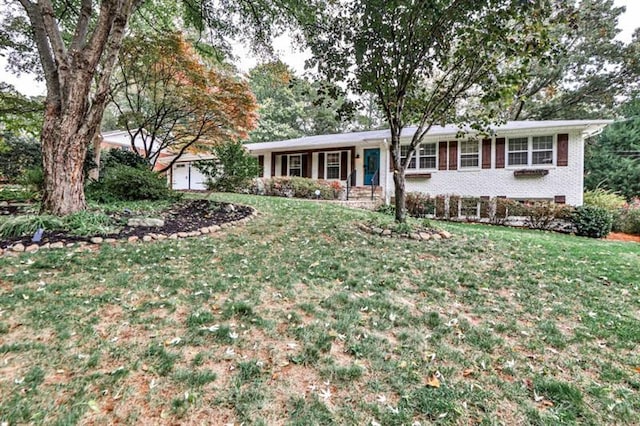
(110, 240)
(182, 234)
(147, 238)
(18, 247)
(229, 208)
(32, 248)
(145, 222)
(214, 228)
(69, 245)
(161, 237)
(386, 232)
(436, 237)
(173, 236)
(45, 246)
(445, 234)
(377, 230)
(97, 240)
(425, 235)
(57, 245)
(133, 239)
(415, 236)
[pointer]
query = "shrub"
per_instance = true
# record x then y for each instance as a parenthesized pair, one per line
(629, 218)
(454, 206)
(543, 214)
(388, 209)
(19, 226)
(232, 171)
(605, 199)
(297, 187)
(19, 153)
(591, 221)
(121, 157)
(129, 183)
(419, 204)
(33, 180)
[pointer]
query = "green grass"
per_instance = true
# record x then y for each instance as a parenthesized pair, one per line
(300, 318)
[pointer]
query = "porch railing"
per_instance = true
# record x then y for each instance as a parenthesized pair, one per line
(375, 182)
(350, 179)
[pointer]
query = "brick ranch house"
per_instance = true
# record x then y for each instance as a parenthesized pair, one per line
(521, 160)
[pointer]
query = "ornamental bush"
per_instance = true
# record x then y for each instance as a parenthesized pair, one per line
(129, 183)
(592, 221)
(297, 187)
(419, 204)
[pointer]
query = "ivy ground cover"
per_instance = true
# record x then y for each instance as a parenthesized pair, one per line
(300, 318)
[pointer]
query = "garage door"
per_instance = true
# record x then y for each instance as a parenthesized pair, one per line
(180, 176)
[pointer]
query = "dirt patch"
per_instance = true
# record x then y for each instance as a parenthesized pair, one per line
(186, 216)
(620, 236)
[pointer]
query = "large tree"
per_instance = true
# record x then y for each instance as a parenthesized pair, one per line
(612, 160)
(77, 46)
(589, 71)
(426, 59)
(78, 42)
(292, 106)
(169, 100)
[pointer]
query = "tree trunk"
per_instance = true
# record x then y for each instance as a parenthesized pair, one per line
(400, 195)
(63, 153)
(77, 77)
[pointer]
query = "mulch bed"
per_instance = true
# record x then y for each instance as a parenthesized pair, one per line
(619, 236)
(181, 217)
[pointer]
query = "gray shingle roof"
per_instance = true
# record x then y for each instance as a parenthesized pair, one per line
(321, 141)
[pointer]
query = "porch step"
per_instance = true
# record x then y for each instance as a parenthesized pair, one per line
(364, 193)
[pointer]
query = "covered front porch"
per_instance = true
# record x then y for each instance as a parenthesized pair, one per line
(355, 166)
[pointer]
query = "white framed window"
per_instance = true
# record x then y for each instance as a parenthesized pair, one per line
(530, 151)
(295, 165)
(518, 149)
(469, 154)
(541, 150)
(427, 156)
(332, 165)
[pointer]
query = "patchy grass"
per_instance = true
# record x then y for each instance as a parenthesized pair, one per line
(300, 318)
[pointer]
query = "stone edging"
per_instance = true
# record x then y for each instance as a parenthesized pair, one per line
(95, 241)
(419, 235)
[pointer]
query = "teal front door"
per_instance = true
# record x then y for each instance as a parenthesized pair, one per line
(371, 166)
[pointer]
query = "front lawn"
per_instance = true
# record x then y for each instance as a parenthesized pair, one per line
(300, 318)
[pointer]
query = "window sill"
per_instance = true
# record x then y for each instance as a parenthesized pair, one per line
(417, 176)
(530, 172)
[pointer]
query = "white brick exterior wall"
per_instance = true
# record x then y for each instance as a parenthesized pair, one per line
(566, 181)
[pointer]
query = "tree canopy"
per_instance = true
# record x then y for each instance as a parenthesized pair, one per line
(292, 106)
(429, 61)
(612, 160)
(168, 99)
(588, 73)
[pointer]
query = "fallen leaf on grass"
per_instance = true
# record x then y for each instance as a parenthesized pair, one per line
(637, 369)
(93, 405)
(467, 372)
(432, 381)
